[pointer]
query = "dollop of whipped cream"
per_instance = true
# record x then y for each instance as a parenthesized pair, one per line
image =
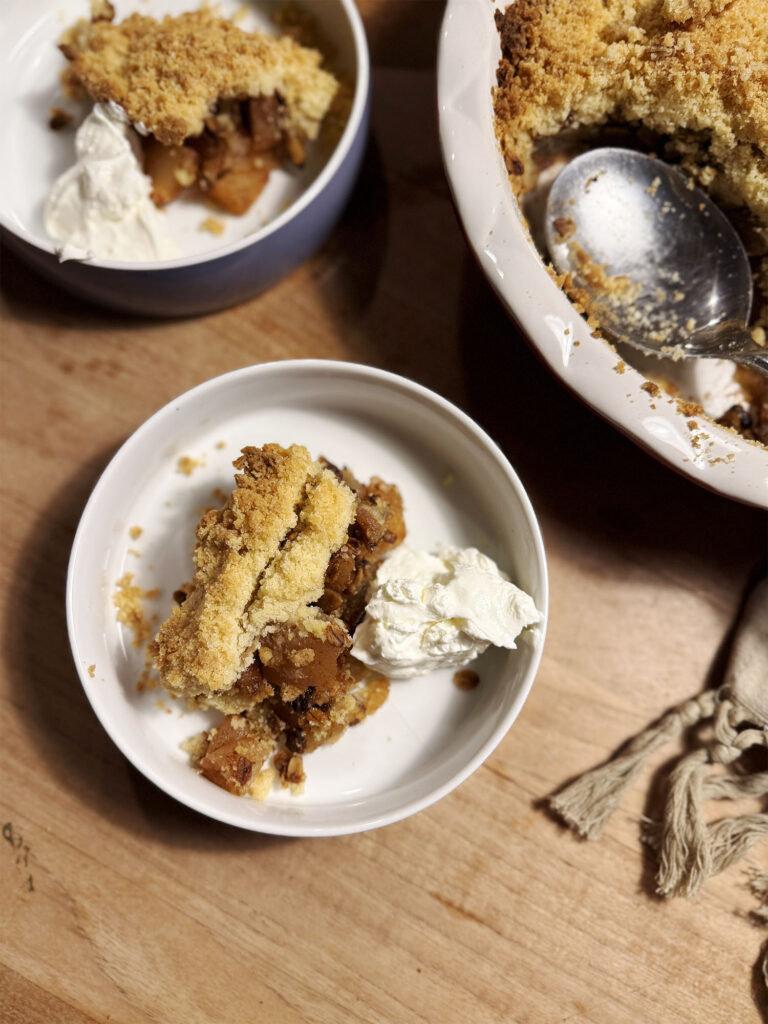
(439, 610)
(102, 206)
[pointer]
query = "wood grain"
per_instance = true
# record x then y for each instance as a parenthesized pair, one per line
(118, 904)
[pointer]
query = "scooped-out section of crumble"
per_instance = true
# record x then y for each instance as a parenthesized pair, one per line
(686, 80)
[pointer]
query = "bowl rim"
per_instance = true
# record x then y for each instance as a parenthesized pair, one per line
(735, 467)
(355, 123)
(444, 407)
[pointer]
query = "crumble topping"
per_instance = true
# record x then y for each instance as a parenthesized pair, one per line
(213, 226)
(685, 78)
(168, 75)
(198, 649)
(263, 630)
(212, 106)
(690, 69)
(187, 465)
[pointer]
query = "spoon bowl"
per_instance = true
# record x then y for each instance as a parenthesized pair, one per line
(661, 265)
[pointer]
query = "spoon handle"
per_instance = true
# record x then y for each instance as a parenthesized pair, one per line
(755, 360)
(731, 340)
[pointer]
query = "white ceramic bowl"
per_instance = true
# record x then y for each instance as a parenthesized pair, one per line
(457, 488)
(710, 455)
(288, 222)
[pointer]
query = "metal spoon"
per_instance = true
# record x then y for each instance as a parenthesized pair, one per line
(662, 266)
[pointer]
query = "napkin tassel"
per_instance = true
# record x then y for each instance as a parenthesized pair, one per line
(588, 803)
(690, 850)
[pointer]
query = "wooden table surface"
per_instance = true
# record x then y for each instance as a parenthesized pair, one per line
(119, 904)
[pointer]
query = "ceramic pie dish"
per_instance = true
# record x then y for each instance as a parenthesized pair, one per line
(712, 456)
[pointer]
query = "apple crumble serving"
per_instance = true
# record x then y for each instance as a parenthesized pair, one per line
(263, 630)
(686, 79)
(216, 107)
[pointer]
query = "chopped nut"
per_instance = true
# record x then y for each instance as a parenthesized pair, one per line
(290, 768)
(465, 679)
(59, 119)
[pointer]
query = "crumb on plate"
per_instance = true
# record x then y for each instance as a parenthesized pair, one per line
(213, 226)
(129, 602)
(187, 465)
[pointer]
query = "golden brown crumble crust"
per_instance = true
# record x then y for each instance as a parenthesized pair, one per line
(168, 75)
(249, 572)
(585, 62)
(263, 631)
(690, 74)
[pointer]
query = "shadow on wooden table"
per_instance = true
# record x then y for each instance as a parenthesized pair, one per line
(361, 232)
(32, 298)
(759, 982)
(73, 749)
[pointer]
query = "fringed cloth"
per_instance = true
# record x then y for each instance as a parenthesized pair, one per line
(688, 849)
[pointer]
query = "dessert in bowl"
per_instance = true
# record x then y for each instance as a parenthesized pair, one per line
(204, 194)
(514, 106)
(269, 709)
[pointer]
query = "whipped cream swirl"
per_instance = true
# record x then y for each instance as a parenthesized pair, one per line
(102, 207)
(439, 610)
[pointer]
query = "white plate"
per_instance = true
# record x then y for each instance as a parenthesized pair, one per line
(457, 487)
(693, 445)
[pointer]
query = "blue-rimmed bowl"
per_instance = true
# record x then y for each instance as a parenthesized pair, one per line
(287, 224)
